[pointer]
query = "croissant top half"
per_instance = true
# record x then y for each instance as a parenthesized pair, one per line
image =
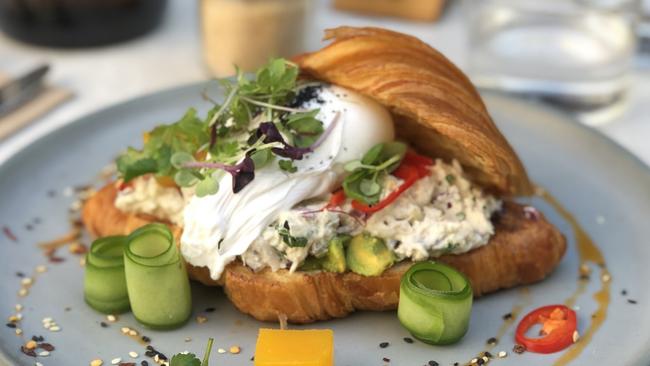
(435, 106)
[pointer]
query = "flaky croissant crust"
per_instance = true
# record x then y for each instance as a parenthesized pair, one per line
(435, 106)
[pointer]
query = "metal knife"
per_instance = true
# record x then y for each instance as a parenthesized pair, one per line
(22, 89)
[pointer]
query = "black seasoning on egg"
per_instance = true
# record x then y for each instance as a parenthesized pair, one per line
(307, 94)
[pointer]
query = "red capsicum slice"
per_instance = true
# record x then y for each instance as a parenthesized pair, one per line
(412, 168)
(336, 200)
(559, 325)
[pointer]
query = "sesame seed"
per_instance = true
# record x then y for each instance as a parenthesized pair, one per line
(201, 319)
(502, 354)
(96, 362)
(408, 340)
(576, 336)
(111, 318)
(507, 316)
(115, 361)
(633, 302)
(492, 341)
(22, 292)
(221, 350)
(386, 359)
(44, 353)
(103, 324)
(383, 344)
(188, 339)
(210, 310)
(47, 320)
(144, 363)
(146, 339)
(624, 292)
(11, 325)
(41, 269)
(474, 360)
(19, 307)
(125, 330)
(235, 350)
(19, 331)
(55, 328)
(133, 354)
(606, 277)
(27, 281)
(133, 332)
(433, 363)
(38, 364)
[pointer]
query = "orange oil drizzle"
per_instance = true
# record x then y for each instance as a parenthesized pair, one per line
(588, 253)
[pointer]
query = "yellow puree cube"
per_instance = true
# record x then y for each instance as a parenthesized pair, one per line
(277, 347)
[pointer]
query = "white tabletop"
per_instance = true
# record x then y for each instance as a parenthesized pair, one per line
(171, 56)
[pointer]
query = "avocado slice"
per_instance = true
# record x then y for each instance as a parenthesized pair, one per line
(368, 255)
(334, 261)
(311, 264)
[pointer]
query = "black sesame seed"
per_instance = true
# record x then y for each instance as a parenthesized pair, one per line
(519, 349)
(38, 338)
(383, 344)
(433, 363)
(492, 341)
(210, 310)
(150, 348)
(480, 361)
(146, 339)
(150, 353)
(456, 363)
(386, 359)
(11, 325)
(624, 292)
(487, 354)
(507, 316)
(103, 325)
(144, 363)
(253, 358)
(633, 302)
(584, 277)
(408, 340)
(162, 356)
(20, 274)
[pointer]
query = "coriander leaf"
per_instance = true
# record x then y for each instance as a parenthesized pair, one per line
(134, 163)
(185, 359)
(287, 166)
(186, 135)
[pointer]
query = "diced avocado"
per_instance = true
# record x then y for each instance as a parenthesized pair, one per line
(311, 264)
(334, 261)
(368, 255)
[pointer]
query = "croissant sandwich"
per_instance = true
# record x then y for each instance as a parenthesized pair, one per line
(311, 187)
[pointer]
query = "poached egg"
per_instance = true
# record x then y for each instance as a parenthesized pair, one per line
(222, 226)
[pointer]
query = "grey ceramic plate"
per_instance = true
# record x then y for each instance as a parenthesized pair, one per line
(606, 188)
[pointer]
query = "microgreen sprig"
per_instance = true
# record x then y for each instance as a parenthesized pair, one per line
(199, 152)
(363, 184)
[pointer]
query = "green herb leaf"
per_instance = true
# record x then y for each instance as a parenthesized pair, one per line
(363, 184)
(185, 359)
(206, 187)
(180, 158)
(287, 166)
(185, 178)
(261, 158)
(291, 241)
(134, 163)
(190, 359)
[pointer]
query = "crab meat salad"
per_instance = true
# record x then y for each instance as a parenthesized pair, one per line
(298, 175)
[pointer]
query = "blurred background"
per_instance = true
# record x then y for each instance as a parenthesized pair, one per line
(61, 59)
